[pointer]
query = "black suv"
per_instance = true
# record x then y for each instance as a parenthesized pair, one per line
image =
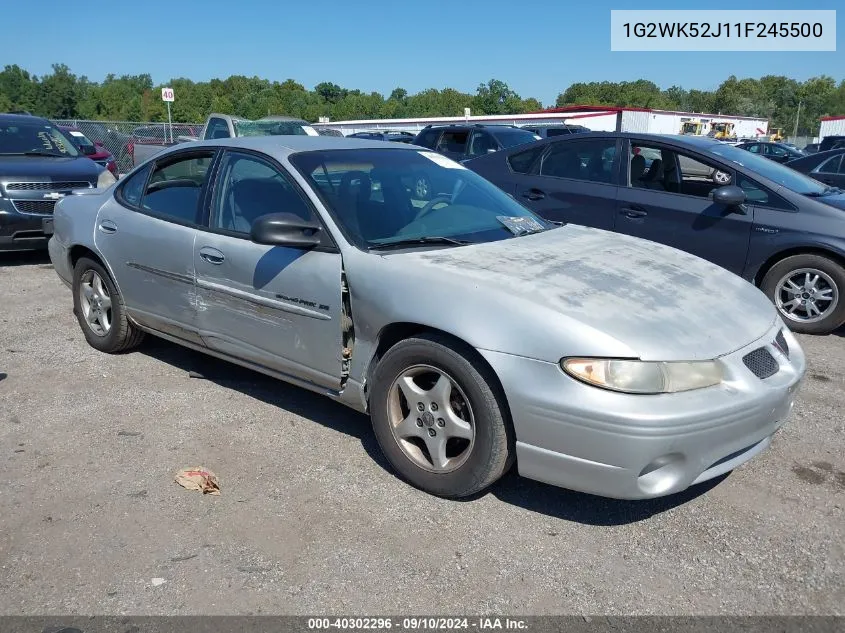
(38, 167)
(545, 130)
(832, 142)
(462, 142)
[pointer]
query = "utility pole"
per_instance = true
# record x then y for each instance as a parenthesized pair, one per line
(797, 114)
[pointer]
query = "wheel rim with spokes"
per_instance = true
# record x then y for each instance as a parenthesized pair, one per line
(431, 418)
(95, 302)
(806, 295)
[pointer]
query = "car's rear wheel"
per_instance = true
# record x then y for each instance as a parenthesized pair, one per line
(440, 418)
(99, 309)
(808, 291)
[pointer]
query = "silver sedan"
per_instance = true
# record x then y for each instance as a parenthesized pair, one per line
(474, 333)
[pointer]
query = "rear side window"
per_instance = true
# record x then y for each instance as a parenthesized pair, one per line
(428, 138)
(453, 141)
(175, 188)
(131, 190)
(521, 161)
(830, 166)
(590, 160)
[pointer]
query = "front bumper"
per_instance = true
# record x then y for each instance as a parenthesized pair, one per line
(640, 446)
(20, 232)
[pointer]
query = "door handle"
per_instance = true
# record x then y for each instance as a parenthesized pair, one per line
(634, 212)
(212, 255)
(107, 226)
(534, 194)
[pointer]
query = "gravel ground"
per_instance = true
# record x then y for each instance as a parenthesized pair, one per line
(310, 519)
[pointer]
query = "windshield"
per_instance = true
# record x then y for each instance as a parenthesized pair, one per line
(510, 138)
(34, 137)
(270, 128)
(379, 196)
(786, 176)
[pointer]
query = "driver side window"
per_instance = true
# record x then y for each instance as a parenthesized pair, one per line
(248, 188)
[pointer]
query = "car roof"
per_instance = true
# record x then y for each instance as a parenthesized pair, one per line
(284, 145)
(21, 118)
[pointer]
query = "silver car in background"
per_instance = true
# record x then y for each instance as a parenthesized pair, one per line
(474, 333)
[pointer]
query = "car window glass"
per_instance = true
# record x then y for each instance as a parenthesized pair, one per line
(776, 150)
(174, 188)
(754, 149)
(673, 171)
(217, 128)
(521, 161)
(590, 160)
(829, 166)
(248, 188)
(428, 138)
(453, 141)
(133, 186)
(481, 143)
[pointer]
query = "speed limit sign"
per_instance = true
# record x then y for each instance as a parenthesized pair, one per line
(167, 94)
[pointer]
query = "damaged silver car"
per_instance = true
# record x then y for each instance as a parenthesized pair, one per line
(474, 333)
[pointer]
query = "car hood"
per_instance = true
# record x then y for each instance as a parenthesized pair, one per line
(657, 302)
(48, 168)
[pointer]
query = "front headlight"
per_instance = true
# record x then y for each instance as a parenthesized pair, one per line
(646, 377)
(105, 179)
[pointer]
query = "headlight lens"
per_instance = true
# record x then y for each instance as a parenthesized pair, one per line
(105, 179)
(635, 376)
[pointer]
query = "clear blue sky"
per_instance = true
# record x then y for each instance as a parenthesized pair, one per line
(538, 47)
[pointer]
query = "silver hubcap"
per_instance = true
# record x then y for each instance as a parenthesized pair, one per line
(806, 295)
(95, 302)
(422, 188)
(431, 419)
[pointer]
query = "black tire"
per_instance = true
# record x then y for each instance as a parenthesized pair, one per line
(493, 451)
(832, 269)
(122, 334)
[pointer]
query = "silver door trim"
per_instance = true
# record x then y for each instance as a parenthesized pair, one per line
(188, 279)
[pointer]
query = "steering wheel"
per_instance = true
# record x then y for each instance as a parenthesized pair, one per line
(431, 204)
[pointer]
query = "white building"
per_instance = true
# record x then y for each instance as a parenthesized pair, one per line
(832, 126)
(596, 118)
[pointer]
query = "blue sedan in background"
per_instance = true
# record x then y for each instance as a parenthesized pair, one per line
(776, 227)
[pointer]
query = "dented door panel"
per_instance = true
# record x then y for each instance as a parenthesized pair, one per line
(277, 307)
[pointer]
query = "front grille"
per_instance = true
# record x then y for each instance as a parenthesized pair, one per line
(761, 363)
(47, 186)
(41, 207)
(780, 341)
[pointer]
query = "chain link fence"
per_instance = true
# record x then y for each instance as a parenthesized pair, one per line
(120, 137)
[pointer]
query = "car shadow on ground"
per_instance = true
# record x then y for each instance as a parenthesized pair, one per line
(512, 489)
(25, 258)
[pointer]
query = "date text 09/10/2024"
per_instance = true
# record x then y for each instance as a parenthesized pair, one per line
(417, 623)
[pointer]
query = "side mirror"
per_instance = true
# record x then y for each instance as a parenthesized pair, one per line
(730, 196)
(285, 229)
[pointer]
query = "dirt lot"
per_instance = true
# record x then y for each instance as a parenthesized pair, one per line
(312, 521)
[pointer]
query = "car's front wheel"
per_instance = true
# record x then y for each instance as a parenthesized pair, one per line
(807, 291)
(440, 417)
(99, 309)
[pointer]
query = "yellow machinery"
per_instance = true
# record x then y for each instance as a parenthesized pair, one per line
(693, 126)
(776, 135)
(722, 130)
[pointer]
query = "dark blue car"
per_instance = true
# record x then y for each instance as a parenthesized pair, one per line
(777, 228)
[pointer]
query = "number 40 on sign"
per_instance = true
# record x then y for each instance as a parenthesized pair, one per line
(167, 94)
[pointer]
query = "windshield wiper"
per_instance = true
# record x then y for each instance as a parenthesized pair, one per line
(413, 241)
(37, 152)
(827, 192)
